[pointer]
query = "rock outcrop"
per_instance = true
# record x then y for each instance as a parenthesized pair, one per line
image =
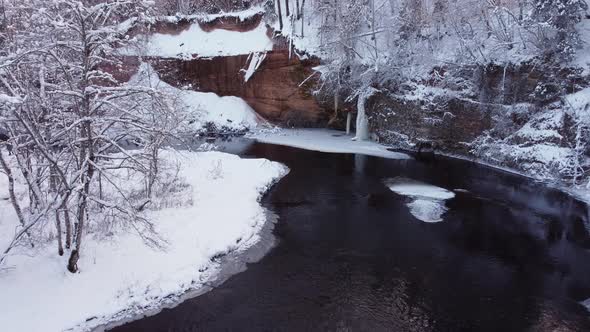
(275, 90)
(280, 90)
(510, 116)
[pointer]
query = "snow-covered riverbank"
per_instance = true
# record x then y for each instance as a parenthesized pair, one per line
(324, 140)
(120, 276)
(334, 141)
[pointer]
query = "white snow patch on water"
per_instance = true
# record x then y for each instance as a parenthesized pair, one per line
(427, 201)
(418, 189)
(325, 140)
(119, 272)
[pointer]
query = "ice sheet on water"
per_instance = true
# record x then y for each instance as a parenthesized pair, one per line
(408, 187)
(427, 201)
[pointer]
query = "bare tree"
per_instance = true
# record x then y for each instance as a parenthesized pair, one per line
(287, 8)
(71, 133)
(280, 13)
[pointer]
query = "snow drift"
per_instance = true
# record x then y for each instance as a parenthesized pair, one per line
(200, 108)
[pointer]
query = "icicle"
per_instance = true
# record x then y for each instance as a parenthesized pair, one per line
(504, 81)
(362, 123)
(348, 122)
(291, 35)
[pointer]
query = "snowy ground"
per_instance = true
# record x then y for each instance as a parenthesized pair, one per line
(119, 275)
(427, 201)
(324, 140)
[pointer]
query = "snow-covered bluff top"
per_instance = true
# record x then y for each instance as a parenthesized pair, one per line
(197, 42)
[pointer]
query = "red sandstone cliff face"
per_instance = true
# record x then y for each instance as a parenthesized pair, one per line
(273, 91)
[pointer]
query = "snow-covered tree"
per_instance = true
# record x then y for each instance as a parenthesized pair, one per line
(72, 129)
(561, 16)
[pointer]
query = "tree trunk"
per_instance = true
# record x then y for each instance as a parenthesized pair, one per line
(336, 94)
(280, 15)
(53, 188)
(83, 199)
(297, 12)
(60, 248)
(287, 8)
(374, 35)
(13, 200)
(68, 225)
(302, 17)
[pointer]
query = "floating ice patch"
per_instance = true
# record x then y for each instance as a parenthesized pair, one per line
(413, 188)
(427, 201)
(427, 210)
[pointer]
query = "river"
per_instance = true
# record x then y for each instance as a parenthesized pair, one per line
(510, 255)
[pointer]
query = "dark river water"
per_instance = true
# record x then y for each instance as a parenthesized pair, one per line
(510, 255)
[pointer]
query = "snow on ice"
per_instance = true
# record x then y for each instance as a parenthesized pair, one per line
(427, 201)
(325, 140)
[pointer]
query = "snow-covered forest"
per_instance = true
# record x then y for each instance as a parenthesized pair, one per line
(96, 160)
(521, 65)
(89, 181)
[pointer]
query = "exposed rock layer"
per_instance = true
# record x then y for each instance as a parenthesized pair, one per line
(511, 116)
(274, 91)
(280, 90)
